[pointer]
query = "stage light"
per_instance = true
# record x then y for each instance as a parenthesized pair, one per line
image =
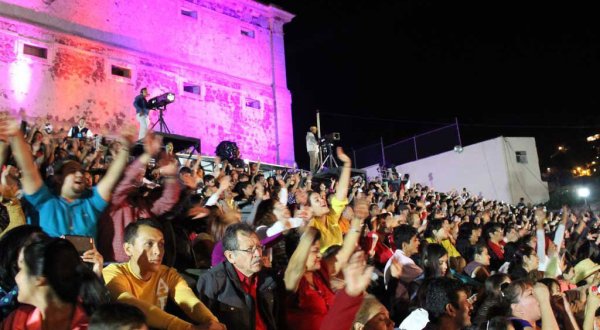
(458, 149)
(583, 192)
(161, 100)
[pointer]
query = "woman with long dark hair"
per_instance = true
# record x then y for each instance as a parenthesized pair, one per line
(525, 263)
(10, 246)
(59, 290)
(434, 260)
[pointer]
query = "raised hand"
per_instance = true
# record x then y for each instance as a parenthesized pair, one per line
(94, 257)
(152, 144)
(224, 182)
(342, 156)
(128, 136)
(9, 126)
(361, 208)
(356, 274)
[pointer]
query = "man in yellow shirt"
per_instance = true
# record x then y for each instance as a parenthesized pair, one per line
(147, 284)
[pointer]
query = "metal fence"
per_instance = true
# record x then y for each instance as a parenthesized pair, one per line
(414, 148)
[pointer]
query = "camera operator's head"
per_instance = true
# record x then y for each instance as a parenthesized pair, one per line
(313, 129)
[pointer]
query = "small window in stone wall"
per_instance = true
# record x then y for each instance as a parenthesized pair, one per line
(521, 157)
(189, 13)
(248, 33)
(36, 51)
(191, 88)
(251, 103)
(120, 71)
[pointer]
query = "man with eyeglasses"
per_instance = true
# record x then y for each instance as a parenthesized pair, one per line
(240, 293)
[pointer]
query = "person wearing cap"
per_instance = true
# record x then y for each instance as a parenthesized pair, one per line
(75, 210)
(584, 271)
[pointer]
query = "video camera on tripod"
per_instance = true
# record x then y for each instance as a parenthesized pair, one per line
(330, 138)
(326, 144)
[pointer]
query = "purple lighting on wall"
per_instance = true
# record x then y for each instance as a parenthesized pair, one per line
(20, 79)
(83, 57)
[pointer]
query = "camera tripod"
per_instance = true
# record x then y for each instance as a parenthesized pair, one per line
(162, 127)
(329, 159)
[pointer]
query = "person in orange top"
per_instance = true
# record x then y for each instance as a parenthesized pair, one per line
(147, 284)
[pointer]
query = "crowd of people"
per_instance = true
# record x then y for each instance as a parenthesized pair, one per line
(93, 237)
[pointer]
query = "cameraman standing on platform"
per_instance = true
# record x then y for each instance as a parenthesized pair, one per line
(141, 112)
(312, 147)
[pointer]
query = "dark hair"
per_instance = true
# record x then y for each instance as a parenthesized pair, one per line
(517, 265)
(549, 282)
(69, 277)
(372, 206)
(525, 239)
(143, 89)
(589, 249)
(496, 323)
(441, 292)
(239, 189)
(512, 293)
(308, 201)
(208, 177)
(510, 249)
(230, 242)
(403, 234)
(495, 283)
(264, 213)
(331, 251)
(116, 316)
(131, 229)
(490, 228)
(430, 259)
(478, 249)
(435, 224)
(185, 170)
(465, 231)
(11, 244)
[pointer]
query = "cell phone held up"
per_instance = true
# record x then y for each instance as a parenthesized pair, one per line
(81, 243)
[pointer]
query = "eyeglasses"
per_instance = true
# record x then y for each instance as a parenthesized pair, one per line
(253, 250)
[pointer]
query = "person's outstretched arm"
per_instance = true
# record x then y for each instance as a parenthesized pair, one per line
(10, 131)
(113, 174)
(342, 190)
(361, 212)
(297, 265)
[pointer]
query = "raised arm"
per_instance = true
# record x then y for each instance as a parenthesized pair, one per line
(342, 190)
(10, 130)
(113, 174)
(296, 266)
(3, 153)
(361, 212)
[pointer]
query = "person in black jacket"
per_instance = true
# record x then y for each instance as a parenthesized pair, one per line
(239, 292)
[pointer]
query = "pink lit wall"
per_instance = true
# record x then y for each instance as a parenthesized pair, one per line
(232, 51)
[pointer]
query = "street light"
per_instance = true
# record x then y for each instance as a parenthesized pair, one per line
(584, 193)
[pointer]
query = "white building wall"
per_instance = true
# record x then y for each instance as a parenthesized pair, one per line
(488, 168)
(525, 178)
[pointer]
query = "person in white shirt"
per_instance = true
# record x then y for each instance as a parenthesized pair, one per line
(312, 147)
(80, 131)
(401, 271)
(407, 244)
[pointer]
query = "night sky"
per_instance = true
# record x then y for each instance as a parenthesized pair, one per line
(398, 68)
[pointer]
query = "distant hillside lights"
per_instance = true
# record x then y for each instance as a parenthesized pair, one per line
(580, 171)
